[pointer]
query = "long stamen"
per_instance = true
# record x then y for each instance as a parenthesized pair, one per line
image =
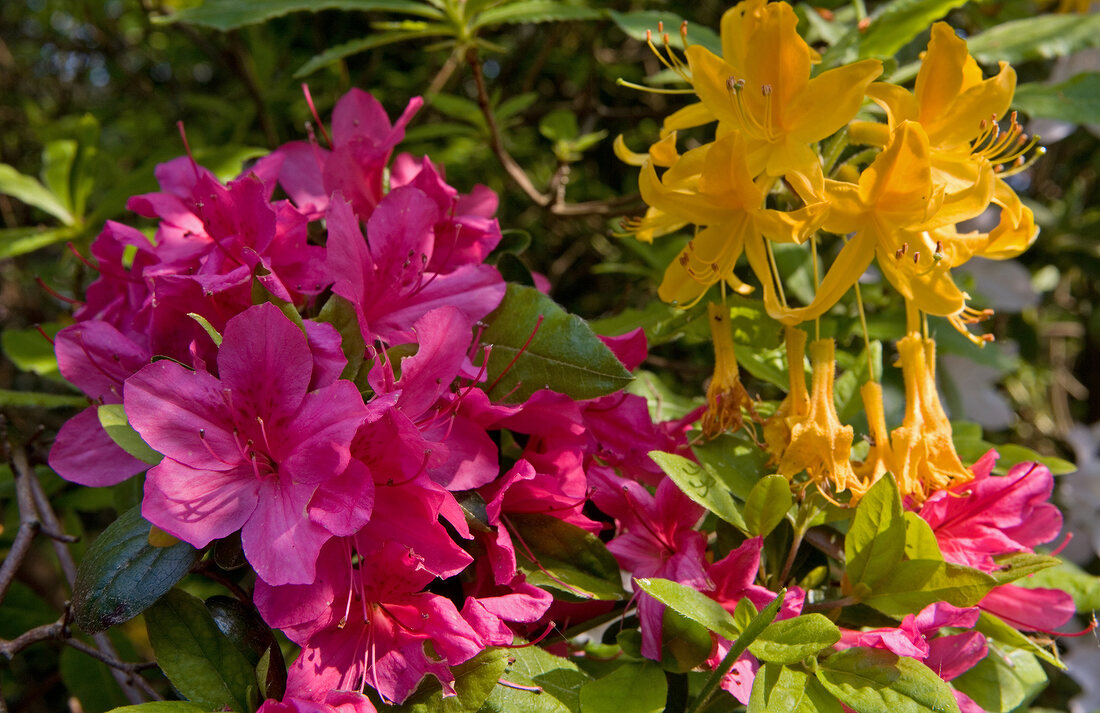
(316, 117)
(187, 148)
(55, 293)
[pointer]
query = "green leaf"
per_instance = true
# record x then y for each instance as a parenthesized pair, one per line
(693, 604)
(631, 688)
(1079, 584)
(702, 485)
(1077, 99)
(30, 399)
(998, 630)
(877, 681)
(558, 682)
(876, 539)
(57, 167)
(561, 353)
(1020, 564)
(559, 125)
(122, 574)
(113, 419)
(89, 681)
(896, 23)
(228, 15)
(30, 351)
(379, 39)
(781, 689)
(474, 681)
(914, 584)
(767, 504)
(635, 24)
(920, 541)
(164, 707)
(214, 334)
(792, 640)
(20, 241)
(738, 461)
(534, 11)
(685, 644)
(1004, 680)
(198, 659)
(28, 190)
(662, 323)
(243, 626)
(341, 314)
(968, 442)
(1041, 37)
(567, 558)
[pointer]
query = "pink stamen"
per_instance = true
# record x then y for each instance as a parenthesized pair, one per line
(316, 116)
(540, 637)
(43, 333)
(55, 293)
(187, 148)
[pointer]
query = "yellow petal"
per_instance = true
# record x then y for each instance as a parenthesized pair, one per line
(626, 155)
(926, 284)
(963, 121)
(791, 226)
(898, 183)
(940, 78)
(899, 103)
(709, 77)
(830, 100)
(687, 117)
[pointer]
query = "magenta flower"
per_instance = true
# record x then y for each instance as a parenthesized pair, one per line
(250, 448)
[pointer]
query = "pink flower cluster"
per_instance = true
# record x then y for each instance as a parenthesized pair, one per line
(344, 486)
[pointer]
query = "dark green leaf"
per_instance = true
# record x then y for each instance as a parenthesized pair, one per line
(378, 39)
(512, 242)
(876, 539)
(198, 659)
(877, 681)
(533, 11)
(970, 446)
(662, 323)
(1004, 680)
(30, 399)
(1077, 99)
(701, 484)
(243, 626)
(631, 688)
(693, 604)
(474, 681)
(635, 24)
(562, 353)
(122, 574)
(1041, 37)
(28, 190)
(113, 419)
(567, 558)
(228, 15)
(792, 640)
(767, 504)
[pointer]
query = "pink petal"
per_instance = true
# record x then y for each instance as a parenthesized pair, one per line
(198, 506)
(83, 453)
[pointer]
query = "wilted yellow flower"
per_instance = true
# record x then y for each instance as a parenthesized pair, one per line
(880, 457)
(795, 407)
(726, 395)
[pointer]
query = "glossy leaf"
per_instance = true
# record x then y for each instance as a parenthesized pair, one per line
(767, 504)
(122, 574)
(701, 484)
(244, 627)
(693, 604)
(792, 640)
(567, 558)
(631, 688)
(876, 539)
(341, 315)
(736, 459)
(555, 684)
(914, 584)
(198, 659)
(474, 681)
(877, 681)
(998, 630)
(635, 24)
(1077, 99)
(228, 15)
(562, 353)
(782, 689)
(895, 24)
(113, 419)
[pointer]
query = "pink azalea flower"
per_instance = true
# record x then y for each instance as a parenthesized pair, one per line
(250, 448)
(333, 702)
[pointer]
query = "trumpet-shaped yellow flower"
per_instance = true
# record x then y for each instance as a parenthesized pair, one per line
(880, 457)
(795, 407)
(820, 444)
(891, 214)
(761, 86)
(726, 395)
(713, 187)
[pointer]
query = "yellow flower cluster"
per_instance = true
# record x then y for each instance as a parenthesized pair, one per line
(939, 158)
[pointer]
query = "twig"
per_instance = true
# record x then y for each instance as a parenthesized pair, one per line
(46, 632)
(29, 525)
(113, 663)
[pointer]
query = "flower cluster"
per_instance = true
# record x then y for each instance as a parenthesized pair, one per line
(320, 396)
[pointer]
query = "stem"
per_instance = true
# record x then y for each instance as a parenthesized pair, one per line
(775, 273)
(866, 332)
(817, 283)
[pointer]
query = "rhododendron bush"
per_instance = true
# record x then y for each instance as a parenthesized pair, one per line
(376, 466)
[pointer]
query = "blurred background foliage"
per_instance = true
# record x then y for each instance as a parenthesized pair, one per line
(90, 93)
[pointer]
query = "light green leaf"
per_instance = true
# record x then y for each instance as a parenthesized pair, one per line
(534, 11)
(767, 504)
(631, 688)
(877, 681)
(214, 334)
(998, 630)
(792, 640)
(31, 399)
(693, 604)
(781, 689)
(474, 681)
(28, 190)
(198, 659)
(738, 461)
(537, 344)
(1040, 37)
(920, 541)
(57, 168)
(20, 241)
(1079, 584)
(702, 485)
(567, 558)
(1020, 564)
(228, 15)
(895, 24)
(876, 540)
(1077, 99)
(113, 419)
(30, 351)
(635, 24)
(557, 683)
(914, 584)
(379, 39)
(1004, 680)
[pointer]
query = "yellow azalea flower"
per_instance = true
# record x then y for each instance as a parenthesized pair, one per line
(726, 396)
(880, 457)
(924, 457)
(713, 187)
(820, 444)
(761, 86)
(795, 407)
(890, 214)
